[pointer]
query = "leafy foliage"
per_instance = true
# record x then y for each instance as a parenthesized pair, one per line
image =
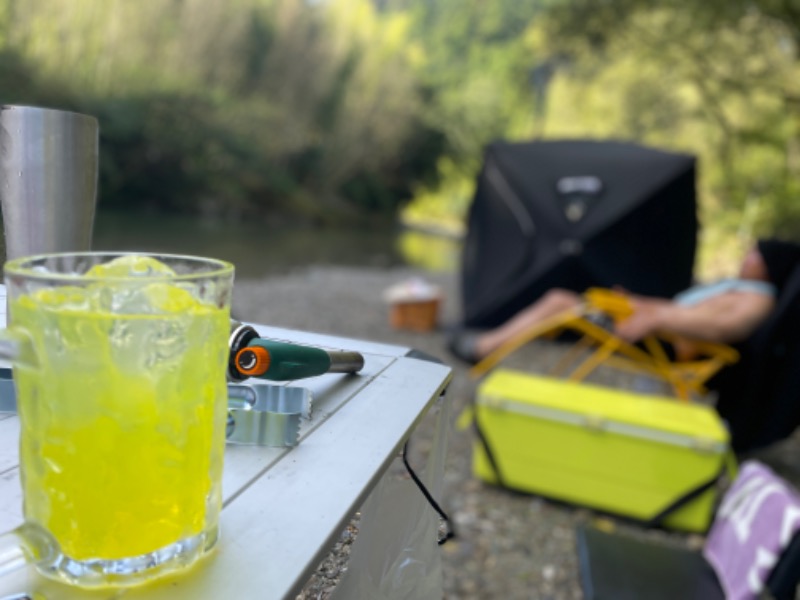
(249, 108)
(338, 109)
(716, 78)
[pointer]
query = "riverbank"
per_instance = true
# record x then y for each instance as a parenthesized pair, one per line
(509, 546)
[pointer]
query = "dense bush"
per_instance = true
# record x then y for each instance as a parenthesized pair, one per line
(344, 109)
(267, 110)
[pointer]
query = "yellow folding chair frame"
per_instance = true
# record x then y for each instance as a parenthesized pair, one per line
(686, 377)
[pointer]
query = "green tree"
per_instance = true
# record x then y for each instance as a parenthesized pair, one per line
(243, 108)
(717, 78)
(473, 60)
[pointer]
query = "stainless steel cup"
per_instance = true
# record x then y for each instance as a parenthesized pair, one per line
(48, 180)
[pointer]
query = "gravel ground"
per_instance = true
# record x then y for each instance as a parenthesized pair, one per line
(508, 545)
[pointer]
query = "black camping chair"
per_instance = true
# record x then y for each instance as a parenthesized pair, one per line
(620, 566)
(576, 214)
(615, 566)
(759, 397)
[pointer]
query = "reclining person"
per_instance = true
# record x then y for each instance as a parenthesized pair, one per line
(726, 311)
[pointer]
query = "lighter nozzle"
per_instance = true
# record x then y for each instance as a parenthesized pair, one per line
(345, 362)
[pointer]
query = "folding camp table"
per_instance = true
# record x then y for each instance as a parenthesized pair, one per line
(284, 507)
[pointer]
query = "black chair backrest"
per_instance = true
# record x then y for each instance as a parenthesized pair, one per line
(785, 576)
(759, 397)
(620, 566)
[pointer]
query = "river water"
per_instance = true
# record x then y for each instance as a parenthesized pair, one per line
(259, 252)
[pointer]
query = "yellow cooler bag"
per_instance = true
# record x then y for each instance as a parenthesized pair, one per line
(655, 460)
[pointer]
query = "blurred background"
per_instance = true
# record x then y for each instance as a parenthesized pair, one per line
(273, 132)
(292, 133)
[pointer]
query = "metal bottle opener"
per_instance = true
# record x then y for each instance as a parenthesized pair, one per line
(266, 415)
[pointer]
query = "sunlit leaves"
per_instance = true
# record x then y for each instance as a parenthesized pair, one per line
(239, 107)
(720, 87)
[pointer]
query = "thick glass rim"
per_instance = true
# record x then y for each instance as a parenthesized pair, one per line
(25, 266)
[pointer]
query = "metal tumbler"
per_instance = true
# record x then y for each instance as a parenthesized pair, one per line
(48, 180)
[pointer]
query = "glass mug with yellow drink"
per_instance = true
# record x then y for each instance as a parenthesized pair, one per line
(119, 366)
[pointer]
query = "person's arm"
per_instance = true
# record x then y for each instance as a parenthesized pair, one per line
(727, 318)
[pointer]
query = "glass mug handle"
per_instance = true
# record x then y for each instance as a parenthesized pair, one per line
(27, 544)
(16, 346)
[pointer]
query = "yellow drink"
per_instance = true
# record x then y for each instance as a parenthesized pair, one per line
(123, 417)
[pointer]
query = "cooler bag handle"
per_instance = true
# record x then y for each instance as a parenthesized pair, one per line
(729, 465)
(485, 443)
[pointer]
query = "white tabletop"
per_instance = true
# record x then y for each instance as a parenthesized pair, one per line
(283, 507)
